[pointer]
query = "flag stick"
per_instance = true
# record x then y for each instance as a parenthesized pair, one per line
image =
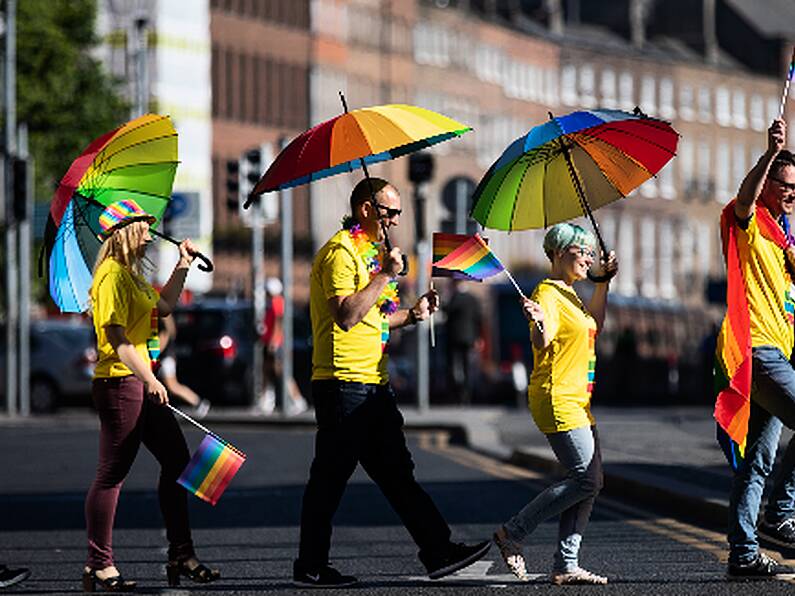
(433, 333)
(518, 289)
(192, 421)
(790, 73)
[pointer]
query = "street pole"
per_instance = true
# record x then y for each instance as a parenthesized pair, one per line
(423, 264)
(25, 246)
(258, 292)
(12, 273)
(286, 211)
(141, 104)
(461, 193)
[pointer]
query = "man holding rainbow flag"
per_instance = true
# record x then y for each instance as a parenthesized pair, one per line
(756, 339)
(353, 305)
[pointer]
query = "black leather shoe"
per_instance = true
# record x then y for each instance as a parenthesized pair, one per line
(324, 577)
(456, 557)
(201, 574)
(110, 584)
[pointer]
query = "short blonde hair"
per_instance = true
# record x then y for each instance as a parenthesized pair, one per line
(563, 235)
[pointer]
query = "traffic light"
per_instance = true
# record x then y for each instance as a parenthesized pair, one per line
(233, 185)
(420, 167)
(253, 163)
(457, 200)
(20, 173)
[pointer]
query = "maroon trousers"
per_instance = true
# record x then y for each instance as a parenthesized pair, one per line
(128, 419)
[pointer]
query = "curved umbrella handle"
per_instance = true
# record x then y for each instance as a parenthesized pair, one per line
(206, 265)
(597, 279)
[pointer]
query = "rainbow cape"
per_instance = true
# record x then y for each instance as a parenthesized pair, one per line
(211, 468)
(732, 372)
(469, 255)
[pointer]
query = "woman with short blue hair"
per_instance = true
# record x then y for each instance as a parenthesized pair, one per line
(563, 333)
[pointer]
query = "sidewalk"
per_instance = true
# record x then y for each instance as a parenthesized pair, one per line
(666, 458)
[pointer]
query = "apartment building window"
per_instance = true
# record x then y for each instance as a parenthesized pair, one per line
(667, 99)
(626, 256)
(568, 85)
(706, 184)
(551, 87)
(722, 172)
(626, 91)
(686, 245)
(587, 86)
(535, 83)
(649, 188)
(215, 81)
(739, 166)
(648, 92)
(704, 105)
(686, 103)
(687, 165)
(722, 107)
(757, 109)
(607, 227)
(739, 116)
(666, 181)
(648, 260)
(667, 287)
(773, 104)
(607, 88)
(704, 247)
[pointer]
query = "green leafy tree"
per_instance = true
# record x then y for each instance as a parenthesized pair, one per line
(63, 93)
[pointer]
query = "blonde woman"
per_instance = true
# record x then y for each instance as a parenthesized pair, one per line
(129, 399)
(563, 331)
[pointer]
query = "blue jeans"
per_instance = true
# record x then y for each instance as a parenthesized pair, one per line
(772, 403)
(578, 451)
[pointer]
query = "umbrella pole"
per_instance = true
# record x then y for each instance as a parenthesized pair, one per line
(586, 208)
(387, 241)
(206, 264)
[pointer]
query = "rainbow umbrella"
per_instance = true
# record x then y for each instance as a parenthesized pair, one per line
(350, 140)
(570, 166)
(135, 161)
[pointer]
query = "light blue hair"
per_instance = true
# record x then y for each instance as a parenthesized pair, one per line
(563, 235)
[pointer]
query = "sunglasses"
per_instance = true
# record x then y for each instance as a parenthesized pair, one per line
(390, 212)
(788, 186)
(582, 251)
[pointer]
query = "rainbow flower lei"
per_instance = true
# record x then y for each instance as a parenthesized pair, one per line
(369, 251)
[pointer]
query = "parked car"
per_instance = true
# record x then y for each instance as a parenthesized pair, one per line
(62, 359)
(215, 347)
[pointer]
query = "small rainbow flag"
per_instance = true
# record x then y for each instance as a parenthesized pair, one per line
(471, 257)
(443, 245)
(211, 468)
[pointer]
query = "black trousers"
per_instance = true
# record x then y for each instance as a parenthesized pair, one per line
(360, 423)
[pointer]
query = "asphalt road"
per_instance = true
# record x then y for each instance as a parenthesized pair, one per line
(251, 535)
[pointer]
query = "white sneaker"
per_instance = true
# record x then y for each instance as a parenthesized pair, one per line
(578, 576)
(511, 553)
(202, 409)
(297, 406)
(267, 401)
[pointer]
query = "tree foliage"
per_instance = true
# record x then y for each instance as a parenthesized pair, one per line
(63, 92)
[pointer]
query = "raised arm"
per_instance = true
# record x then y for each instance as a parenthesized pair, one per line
(751, 186)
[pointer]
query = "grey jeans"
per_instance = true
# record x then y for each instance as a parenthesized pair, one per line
(578, 451)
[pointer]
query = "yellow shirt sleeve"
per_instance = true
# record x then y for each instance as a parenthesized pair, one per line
(338, 272)
(112, 300)
(549, 305)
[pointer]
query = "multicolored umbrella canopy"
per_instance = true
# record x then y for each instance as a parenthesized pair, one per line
(135, 161)
(371, 135)
(570, 165)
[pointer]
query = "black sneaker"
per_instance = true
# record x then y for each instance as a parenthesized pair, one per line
(782, 534)
(457, 557)
(325, 577)
(9, 577)
(762, 567)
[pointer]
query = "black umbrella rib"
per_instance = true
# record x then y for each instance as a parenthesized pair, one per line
(104, 173)
(140, 192)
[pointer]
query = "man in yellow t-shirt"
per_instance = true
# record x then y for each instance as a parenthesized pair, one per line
(769, 185)
(353, 306)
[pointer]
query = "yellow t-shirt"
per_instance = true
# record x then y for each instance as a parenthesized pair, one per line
(563, 373)
(355, 355)
(117, 300)
(768, 289)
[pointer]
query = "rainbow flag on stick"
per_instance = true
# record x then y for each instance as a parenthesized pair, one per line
(790, 75)
(467, 256)
(212, 467)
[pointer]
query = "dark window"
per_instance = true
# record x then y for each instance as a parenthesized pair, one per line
(215, 81)
(228, 79)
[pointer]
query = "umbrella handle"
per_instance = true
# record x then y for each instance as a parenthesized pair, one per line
(206, 265)
(597, 279)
